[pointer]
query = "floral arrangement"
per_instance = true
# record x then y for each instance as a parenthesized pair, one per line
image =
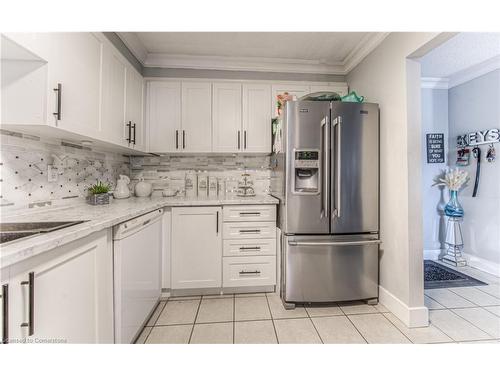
(454, 179)
(281, 99)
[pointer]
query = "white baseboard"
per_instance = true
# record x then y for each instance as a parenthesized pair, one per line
(412, 317)
(432, 254)
(482, 264)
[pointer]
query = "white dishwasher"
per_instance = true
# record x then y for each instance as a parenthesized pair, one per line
(137, 248)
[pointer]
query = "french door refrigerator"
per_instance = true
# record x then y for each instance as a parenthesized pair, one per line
(327, 181)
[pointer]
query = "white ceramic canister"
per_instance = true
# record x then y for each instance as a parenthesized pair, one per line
(190, 184)
(121, 190)
(212, 186)
(143, 188)
(202, 184)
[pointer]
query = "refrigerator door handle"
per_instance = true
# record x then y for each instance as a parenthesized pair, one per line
(325, 189)
(337, 123)
(340, 243)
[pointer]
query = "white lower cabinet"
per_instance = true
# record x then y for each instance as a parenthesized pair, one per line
(64, 295)
(249, 271)
(249, 246)
(196, 247)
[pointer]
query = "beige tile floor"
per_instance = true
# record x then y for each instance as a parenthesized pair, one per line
(457, 315)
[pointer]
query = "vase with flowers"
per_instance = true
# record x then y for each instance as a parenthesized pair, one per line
(454, 180)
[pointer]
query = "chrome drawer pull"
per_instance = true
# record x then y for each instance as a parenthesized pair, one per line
(249, 213)
(249, 230)
(249, 273)
(31, 303)
(251, 248)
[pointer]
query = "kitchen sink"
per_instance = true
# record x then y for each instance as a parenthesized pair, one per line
(14, 231)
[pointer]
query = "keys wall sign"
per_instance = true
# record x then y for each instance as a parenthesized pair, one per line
(435, 148)
(480, 137)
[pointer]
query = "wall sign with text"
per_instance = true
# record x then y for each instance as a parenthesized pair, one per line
(481, 137)
(435, 148)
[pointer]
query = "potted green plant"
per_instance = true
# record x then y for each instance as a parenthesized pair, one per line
(98, 194)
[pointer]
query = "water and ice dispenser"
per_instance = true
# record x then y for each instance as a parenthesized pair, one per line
(306, 172)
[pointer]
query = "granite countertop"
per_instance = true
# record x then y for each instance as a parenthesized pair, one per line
(97, 218)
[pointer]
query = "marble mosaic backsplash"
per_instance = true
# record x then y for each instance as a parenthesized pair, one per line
(23, 170)
(169, 171)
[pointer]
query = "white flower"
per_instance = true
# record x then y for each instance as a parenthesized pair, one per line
(454, 179)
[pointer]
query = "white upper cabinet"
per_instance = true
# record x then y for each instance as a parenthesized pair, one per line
(133, 107)
(228, 133)
(113, 97)
(196, 117)
(164, 116)
(257, 115)
(73, 79)
(74, 82)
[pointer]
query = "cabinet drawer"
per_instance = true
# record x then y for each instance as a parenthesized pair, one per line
(249, 213)
(248, 271)
(248, 247)
(249, 230)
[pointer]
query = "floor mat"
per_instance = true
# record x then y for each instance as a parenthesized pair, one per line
(438, 276)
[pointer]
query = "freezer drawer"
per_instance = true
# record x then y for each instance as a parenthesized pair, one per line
(330, 268)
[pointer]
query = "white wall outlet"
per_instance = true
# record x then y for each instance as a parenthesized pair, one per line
(52, 173)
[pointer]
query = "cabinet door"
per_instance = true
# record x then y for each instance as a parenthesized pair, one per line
(196, 117)
(196, 247)
(133, 107)
(164, 116)
(297, 90)
(113, 126)
(75, 64)
(71, 294)
(226, 100)
(256, 118)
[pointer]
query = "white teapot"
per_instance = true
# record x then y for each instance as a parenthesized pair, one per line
(121, 190)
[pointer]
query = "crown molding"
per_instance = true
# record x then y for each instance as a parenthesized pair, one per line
(161, 60)
(135, 46)
(435, 83)
(474, 71)
(367, 45)
(165, 60)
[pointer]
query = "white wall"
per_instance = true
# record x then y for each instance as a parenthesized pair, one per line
(475, 105)
(382, 77)
(434, 120)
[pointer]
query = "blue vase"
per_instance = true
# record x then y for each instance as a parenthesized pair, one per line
(453, 207)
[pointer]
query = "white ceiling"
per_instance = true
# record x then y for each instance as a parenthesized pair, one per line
(460, 53)
(300, 52)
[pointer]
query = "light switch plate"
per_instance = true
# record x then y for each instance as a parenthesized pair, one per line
(52, 173)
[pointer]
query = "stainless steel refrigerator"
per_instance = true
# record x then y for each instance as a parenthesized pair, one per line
(327, 181)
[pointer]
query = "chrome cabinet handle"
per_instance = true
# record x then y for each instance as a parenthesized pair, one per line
(133, 139)
(338, 167)
(217, 222)
(129, 125)
(239, 139)
(249, 272)
(31, 303)
(249, 230)
(5, 313)
(245, 139)
(176, 139)
(249, 213)
(250, 248)
(346, 243)
(58, 105)
(183, 139)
